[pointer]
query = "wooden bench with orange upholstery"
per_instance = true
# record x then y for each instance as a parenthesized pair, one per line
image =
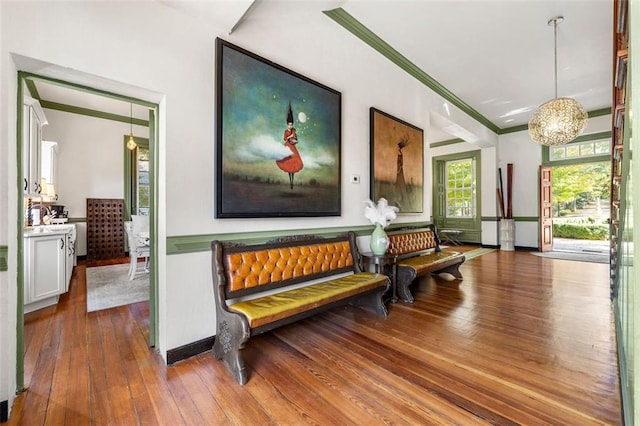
(260, 287)
(419, 253)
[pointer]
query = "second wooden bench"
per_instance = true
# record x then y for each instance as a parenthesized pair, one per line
(419, 253)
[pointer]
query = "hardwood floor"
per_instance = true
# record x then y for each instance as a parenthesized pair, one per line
(521, 340)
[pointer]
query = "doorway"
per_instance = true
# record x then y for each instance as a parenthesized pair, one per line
(28, 85)
(575, 194)
(581, 207)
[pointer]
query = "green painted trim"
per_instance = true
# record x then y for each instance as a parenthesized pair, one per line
(86, 89)
(490, 219)
(526, 218)
(184, 244)
(93, 113)
(514, 129)
(76, 219)
(599, 112)
(593, 137)
(515, 218)
(33, 90)
(20, 240)
(153, 145)
(445, 143)
(4, 260)
(348, 22)
(574, 161)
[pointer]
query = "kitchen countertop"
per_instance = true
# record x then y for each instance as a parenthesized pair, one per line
(34, 231)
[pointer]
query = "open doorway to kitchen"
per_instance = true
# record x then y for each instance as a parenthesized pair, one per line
(85, 100)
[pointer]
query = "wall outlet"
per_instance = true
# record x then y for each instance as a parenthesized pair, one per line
(355, 178)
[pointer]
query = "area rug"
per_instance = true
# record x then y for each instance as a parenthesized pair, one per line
(579, 257)
(109, 286)
(477, 252)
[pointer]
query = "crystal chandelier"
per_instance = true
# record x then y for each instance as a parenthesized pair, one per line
(559, 120)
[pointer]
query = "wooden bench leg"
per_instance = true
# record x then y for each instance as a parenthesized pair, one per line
(375, 301)
(404, 279)
(453, 270)
(231, 335)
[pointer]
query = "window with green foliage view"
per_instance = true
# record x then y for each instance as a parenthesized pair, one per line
(142, 181)
(460, 192)
(137, 188)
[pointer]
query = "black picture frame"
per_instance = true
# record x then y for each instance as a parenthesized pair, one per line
(396, 162)
(263, 169)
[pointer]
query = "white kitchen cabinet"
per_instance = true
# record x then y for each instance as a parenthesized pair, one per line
(33, 119)
(70, 256)
(49, 257)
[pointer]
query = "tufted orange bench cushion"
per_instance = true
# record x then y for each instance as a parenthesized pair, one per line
(400, 244)
(265, 267)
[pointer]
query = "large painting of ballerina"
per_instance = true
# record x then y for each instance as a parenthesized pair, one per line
(277, 140)
(397, 162)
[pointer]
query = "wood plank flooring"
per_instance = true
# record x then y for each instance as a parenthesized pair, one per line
(521, 340)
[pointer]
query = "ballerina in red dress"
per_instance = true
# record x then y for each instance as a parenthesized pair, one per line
(291, 163)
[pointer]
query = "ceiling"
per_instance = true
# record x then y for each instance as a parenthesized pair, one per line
(495, 57)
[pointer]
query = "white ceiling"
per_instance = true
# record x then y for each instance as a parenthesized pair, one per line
(495, 55)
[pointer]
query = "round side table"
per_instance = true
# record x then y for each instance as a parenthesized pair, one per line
(381, 264)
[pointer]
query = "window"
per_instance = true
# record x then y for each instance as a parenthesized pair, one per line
(136, 178)
(456, 194)
(460, 193)
(580, 150)
(142, 181)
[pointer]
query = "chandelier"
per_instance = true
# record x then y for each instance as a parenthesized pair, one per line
(560, 120)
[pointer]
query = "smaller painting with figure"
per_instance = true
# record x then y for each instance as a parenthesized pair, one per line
(277, 140)
(397, 162)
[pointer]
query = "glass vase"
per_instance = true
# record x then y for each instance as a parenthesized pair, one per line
(379, 240)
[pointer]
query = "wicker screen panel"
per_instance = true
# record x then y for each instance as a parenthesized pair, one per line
(105, 228)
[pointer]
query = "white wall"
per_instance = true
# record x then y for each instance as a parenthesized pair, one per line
(89, 161)
(149, 50)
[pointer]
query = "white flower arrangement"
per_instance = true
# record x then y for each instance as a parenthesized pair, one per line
(381, 214)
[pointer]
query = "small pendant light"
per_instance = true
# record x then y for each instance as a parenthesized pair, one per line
(131, 143)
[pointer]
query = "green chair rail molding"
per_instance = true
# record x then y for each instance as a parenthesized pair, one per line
(3, 258)
(197, 243)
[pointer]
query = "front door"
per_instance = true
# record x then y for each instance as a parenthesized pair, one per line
(546, 210)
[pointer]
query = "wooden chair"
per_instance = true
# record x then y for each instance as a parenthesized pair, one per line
(138, 244)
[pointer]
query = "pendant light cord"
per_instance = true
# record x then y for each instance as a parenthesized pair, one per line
(555, 55)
